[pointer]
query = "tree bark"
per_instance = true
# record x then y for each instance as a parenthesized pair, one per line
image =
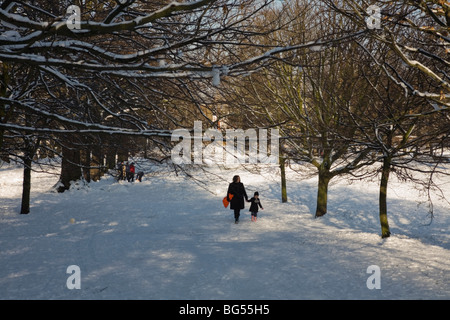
(122, 155)
(96, 163)
(26, 190)
(283, 179)
(385, 232)
(111, 158)
(70, 169)
(85, 158)
(322, 193)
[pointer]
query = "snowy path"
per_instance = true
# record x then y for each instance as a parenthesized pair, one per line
(167, 238)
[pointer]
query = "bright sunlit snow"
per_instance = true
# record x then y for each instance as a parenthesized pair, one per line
(171, 238)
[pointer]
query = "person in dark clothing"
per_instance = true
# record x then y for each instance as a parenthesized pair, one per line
(139, 176)
(255, 202)
(127, 171)
(120, 171)
(132, 171)
(236, 188)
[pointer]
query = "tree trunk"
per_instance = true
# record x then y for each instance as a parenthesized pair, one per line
(26, 189)
(385, 232)
(145, 148)
(322, 193)
(70, 169)
(283, 179)
(85, 158)
(4, 114)
(122, 156)
(111, 158)
(96, 163)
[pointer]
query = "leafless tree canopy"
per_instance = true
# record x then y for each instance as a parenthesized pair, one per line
(348, 83)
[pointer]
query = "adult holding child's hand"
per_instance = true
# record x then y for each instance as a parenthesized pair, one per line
(236, 188)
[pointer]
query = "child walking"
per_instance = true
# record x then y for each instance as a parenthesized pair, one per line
(255, 203)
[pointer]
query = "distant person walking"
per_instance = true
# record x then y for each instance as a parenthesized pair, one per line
(124, 171)
(236, 188)
(255, 203)
(119, 171)
(132, 172)
(139, 176)
(127, 171)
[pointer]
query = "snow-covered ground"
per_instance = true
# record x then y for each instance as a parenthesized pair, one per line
(171, 238)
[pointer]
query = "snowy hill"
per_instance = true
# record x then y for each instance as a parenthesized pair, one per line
(171, 238)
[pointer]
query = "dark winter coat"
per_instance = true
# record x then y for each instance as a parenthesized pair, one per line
(238, 191)
(254, 204)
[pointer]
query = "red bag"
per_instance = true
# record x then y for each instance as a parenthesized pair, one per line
(225, 200)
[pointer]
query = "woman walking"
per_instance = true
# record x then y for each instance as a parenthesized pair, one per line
(236, 188)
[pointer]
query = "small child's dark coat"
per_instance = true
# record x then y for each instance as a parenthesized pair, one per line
(254, 204)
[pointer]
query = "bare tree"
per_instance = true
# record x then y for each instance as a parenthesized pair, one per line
(347, 106)
(400, 131)
(417, 32)
(307, 96)
(124, 68)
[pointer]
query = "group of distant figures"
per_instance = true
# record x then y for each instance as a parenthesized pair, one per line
(127, 171)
